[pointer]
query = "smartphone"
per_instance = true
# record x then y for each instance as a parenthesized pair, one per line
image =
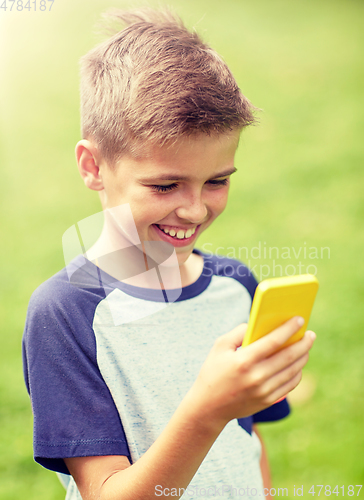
(277, 300)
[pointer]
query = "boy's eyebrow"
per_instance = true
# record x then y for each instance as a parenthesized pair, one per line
(169, 177)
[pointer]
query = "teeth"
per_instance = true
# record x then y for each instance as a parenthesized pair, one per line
(180, 234)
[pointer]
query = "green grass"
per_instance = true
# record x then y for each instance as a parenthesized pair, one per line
(299, 184)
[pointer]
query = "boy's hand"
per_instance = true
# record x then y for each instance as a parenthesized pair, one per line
(236, 383)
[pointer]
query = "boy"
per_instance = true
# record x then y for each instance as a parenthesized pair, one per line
(135, 395)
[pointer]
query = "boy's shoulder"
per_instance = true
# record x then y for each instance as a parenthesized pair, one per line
(57, 285)
(74, 287)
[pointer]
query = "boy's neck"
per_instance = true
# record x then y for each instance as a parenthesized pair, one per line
(192, 269)
(111, 259)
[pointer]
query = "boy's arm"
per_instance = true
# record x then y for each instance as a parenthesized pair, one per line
(170, 462)
(232, 383)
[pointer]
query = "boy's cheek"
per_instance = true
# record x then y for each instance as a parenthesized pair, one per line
(220, 202)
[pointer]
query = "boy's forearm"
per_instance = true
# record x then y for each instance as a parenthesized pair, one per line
(171, 462)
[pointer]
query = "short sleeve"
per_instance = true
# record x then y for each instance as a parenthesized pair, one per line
(74, 413)
(275, 412)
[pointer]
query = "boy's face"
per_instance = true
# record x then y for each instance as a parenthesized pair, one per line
(175, 193)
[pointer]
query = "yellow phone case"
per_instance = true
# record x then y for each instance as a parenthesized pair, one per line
(276, 300)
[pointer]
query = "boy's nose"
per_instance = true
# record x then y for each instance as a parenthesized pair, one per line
(194, 211)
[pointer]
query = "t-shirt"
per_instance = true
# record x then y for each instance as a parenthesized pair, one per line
(106, 365)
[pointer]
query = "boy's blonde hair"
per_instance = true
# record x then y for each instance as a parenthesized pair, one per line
(154, 82)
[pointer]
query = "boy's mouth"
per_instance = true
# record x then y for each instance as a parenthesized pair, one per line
(177, 235)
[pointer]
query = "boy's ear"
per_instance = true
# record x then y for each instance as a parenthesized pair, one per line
(88, 156)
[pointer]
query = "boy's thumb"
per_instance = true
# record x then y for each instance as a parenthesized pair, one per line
(234, 338)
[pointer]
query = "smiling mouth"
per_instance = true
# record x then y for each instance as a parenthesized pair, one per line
(177, 233)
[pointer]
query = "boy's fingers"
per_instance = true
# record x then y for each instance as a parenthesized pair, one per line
(288, 358)
(287, 374)
(285, 389)
(271, 343)
(289, 377)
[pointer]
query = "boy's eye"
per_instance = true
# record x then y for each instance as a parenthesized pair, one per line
(164, 189)
(174, 185)
(220, 182)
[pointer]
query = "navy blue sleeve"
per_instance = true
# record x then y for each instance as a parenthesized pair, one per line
(274, 412)
(74, 413)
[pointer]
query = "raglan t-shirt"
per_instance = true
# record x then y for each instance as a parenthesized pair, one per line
(106, 365)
